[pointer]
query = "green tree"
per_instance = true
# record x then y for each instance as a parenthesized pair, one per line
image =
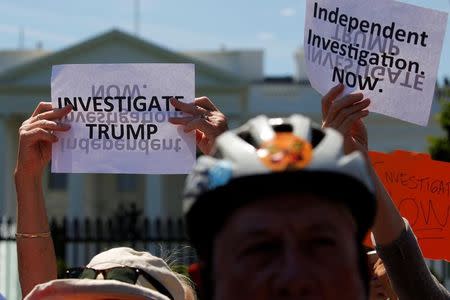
(440, 146)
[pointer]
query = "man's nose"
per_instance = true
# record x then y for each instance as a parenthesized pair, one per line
(295, 277)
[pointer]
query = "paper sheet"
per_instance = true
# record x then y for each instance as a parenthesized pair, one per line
(120, 118)
(387, 49)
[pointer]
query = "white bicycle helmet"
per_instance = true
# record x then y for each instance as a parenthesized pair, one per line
(273, 156)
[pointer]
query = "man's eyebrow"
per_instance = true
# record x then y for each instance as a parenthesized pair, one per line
(256, 231)
(262, 230)
(321, 227)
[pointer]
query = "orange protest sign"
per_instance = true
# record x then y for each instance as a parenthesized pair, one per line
(420, 188)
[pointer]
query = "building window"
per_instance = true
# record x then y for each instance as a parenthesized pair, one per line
(126, 182)
(57, 181)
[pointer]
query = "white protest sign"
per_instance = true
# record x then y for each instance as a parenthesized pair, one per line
(119, 122)
(388, 50)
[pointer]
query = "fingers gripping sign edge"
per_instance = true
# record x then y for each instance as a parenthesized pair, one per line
(40, 134)
(49, 125)
(330, 97)
(53, 114)
(42, 107)
(350, 110)
(341, 103)
(199, 124)
(205, 103)
(190, 108)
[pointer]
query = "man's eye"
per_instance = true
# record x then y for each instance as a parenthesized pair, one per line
(261, 248)
(323, 241)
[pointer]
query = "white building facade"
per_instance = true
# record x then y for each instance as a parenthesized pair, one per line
(27, 82)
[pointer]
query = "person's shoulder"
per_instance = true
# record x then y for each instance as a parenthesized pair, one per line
(2, 297)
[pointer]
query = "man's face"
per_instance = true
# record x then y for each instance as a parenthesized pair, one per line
(287, 247)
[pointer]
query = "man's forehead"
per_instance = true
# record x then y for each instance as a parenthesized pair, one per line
(286, 204)
(264, 228)
(309, 213)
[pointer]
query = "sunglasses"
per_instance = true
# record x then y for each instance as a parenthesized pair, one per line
(125, 274)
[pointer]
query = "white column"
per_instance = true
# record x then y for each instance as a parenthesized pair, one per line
(154, 197)
(3, 161)
(75, 209)
(89, 196)
(7, 161)
(76, 194)
(154, 206)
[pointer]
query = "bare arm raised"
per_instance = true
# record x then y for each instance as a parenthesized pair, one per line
(396, 243)
(345, 115)
(37, 261)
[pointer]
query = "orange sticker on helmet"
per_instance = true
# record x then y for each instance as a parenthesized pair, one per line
(285, 152)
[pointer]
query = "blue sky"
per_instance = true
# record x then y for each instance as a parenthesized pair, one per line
(273, 25)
